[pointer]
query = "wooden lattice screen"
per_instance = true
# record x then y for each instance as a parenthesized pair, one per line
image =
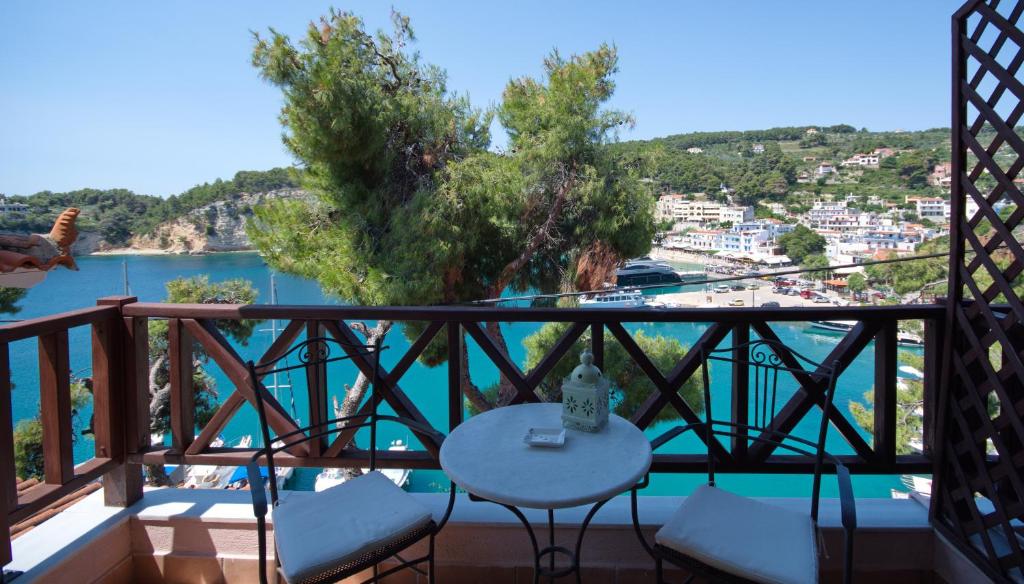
(978, 496)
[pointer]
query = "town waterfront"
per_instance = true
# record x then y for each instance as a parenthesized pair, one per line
(427, 387)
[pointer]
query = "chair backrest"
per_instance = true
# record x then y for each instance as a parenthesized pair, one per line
(313, 355)
(765, 360)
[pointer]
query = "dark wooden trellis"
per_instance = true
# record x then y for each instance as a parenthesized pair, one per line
(978, 496)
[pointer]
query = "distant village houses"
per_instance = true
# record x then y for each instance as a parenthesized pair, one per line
(941, 176)
(695, 150)
(11, 207)
(825, 169)
(695, 211)
(866, 160)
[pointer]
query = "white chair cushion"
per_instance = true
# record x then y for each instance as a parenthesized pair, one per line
(318, 532)
(743, 537)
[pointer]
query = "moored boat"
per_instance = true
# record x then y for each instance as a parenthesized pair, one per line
(330, 477)
(645, 271)
(616, 299)
(840, 326)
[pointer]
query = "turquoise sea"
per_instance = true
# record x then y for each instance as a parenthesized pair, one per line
(427, 387)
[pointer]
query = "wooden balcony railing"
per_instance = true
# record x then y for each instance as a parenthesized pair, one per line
(121, 394)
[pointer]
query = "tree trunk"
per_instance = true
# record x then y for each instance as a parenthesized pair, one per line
(476, 397)
(506, 391)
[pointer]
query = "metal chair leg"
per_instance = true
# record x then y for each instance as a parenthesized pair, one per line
(430, 561)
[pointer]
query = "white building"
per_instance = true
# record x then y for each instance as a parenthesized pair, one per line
(823, 211)
(869, 160)
(939, 210)
(689, 211)
(695, 150)
(824, 169)
(8, 207)
(931, 208)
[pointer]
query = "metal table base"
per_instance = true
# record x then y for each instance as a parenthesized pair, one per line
(551, 550)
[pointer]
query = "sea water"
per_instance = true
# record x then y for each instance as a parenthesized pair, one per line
(427, 387)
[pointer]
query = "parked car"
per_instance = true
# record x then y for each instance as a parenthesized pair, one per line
(737, 287)
(806, 294)
(822, 300)
(736, 302)
(878, 295)
(752, 286)
(721, 289)
(793, 292)
(770, 304)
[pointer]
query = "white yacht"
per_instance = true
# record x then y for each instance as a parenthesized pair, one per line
(617, 299)
(205, 476)
(330, 477)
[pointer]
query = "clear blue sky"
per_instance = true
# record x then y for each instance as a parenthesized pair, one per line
(159, 96)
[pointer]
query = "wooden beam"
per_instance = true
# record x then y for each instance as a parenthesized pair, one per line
(8, 475)
(455, 404)
(727, 315)
(46, 325)
(886, 414)
(316, 386)
(669, 391)
(741, 388)
(507, 368)
(218, 348)
(183, 425)
(560, 348)
(812, 389)
(687, 366)
(389, 390)
(55, 407)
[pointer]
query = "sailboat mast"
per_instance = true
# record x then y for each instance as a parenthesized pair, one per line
(124, 276)
(273, 325)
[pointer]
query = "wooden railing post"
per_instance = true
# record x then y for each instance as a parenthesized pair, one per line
(316, 386)
(183, 427)
(8, 472)
(597, 344)
(740, 388)
(885, 394)
(8, 483)
(117, 418)
(55, 408)
(454, 374)
(933, 340)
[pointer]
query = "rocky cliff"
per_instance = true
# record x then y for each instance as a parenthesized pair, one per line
(219, 226)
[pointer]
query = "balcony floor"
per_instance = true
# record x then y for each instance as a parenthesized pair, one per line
(179, 535)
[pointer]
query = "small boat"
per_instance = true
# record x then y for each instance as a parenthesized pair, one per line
(619, 299)
(330, 477)
(909, 339)
(205, 476)
(911, 372)
(840, 326)
(642, 271)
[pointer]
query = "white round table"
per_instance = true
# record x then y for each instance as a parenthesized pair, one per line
(486, 456)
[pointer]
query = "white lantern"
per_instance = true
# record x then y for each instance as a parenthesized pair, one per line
(585, 396)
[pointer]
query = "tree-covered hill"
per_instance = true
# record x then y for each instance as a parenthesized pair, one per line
(117, 214)
(779, 163)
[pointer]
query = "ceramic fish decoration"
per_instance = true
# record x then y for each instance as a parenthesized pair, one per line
(25, 258)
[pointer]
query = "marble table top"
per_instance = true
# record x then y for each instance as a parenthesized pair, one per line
(486, 456)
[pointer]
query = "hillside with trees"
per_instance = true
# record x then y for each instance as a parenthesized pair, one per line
(118, 214)
(779, 164)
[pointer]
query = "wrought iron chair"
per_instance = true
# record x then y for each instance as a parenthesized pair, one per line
(350, 527)
(728, 538)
